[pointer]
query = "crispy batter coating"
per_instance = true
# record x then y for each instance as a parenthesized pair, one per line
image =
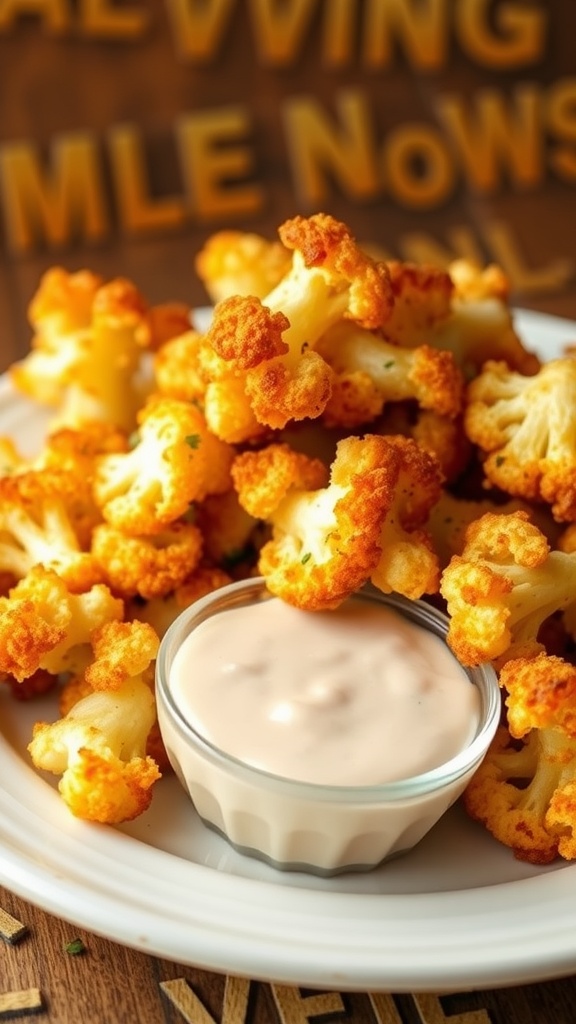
(99, 747)
(526, 428)
(149, 566)
(408, 563)
(176, 461)
(422, 300)
(541, 693)
(86, 354)
(365, 523)
(177, 370)
(228, 530)
(525, 792)
(441, 437)
(361, 358)
(43, 625)
(510, 794)
(240, 263)
(502, 587)
(36, 528)
(263, 478)
(166, 322)
(59, 313)
(121, 650)
(463, 309)
(160, 612)
(270, 342)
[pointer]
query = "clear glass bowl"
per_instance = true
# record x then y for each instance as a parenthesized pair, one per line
(305, 826)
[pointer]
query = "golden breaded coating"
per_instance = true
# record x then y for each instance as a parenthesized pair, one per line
(43, 625)
(121, 650)
(228, 530)
(472, 281)
(327, 245)
(525, 792)
(271, 342)
(86, 355)
(510, 796)
(540, 693)
(463, 309)
(503, 586)
(263, 478)
(428, 375)
(422, 300)
(240, 263)
(160, 612)
(408, 563)
(167, 321)
(245, 333)
(365, 523)
(36, 529)
(99, 750)
(177, 370)
(149, 566)
(325, 542)
(525, 427)
(175, 461)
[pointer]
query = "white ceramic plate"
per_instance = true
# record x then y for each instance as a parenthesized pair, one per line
(458, 912)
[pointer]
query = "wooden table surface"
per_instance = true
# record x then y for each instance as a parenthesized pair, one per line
(107, 983)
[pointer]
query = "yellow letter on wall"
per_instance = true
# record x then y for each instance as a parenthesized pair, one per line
(101, 19)
(320, 150)
(214, 160)
(54, 15)
(55, 204)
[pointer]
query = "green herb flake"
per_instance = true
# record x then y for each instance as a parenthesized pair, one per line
(75, 947)
(134, 439)
(193, 440)
(306, 557)
(389, 364)
(500, 460)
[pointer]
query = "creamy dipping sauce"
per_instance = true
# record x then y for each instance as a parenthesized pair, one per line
(352, 697)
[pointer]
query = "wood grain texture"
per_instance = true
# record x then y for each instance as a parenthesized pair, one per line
(110, 984)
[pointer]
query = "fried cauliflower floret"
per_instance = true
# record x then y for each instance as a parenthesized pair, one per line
(175, 461)
(43, 625)
(120, 650)
(36, 529)
(176, 367)
(59, 313)
(149, 566)
(240, 263)
(228, 530)
(525, 793)
(160, 612)
(502, 587)
(451, 516)
(94, 368)
(270, 343)
(99, 747)
(365, 523)
(408, 563)
(422, 300)
(481, 325)
(370, 372)
(325, 540)
(526, 428)
(462, 309)
(263, 478)
(166, 321)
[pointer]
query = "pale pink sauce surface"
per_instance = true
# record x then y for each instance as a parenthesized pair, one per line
(356, 696)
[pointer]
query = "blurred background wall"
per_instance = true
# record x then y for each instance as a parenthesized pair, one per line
(130, 130)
